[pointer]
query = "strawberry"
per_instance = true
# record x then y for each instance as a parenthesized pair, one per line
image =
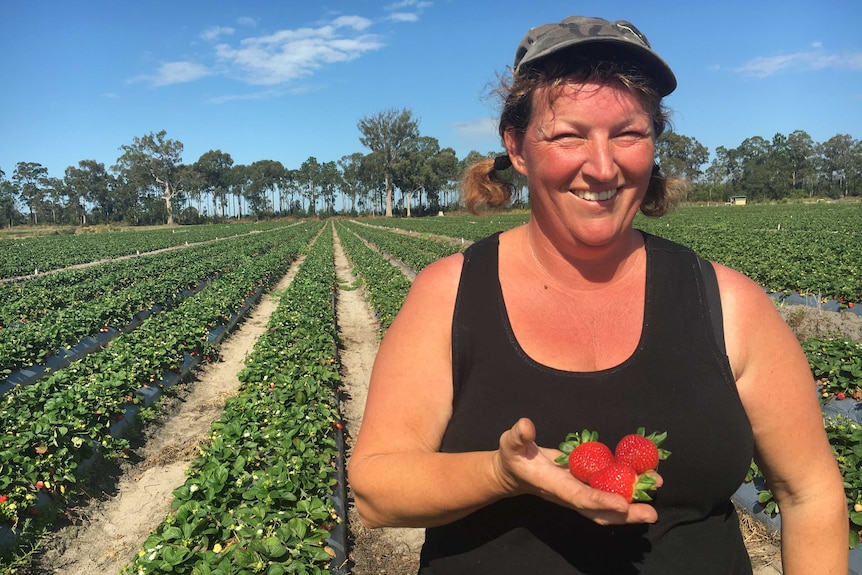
(584, 454)
(623, 480)
(640, 451)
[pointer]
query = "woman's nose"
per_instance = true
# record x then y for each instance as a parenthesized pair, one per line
(600, 163)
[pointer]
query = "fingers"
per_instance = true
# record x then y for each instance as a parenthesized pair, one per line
(524, 467)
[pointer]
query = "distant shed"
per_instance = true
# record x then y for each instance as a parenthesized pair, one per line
(737, 200)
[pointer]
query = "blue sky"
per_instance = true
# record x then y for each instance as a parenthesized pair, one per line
(289, 80)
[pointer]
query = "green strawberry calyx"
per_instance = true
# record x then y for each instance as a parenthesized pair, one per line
(657, 438)
(644, 483)
(572, 441)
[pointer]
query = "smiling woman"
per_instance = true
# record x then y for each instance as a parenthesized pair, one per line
(576, 320)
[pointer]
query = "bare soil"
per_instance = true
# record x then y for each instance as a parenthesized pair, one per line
(104, 531)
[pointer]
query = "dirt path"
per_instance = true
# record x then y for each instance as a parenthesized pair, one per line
(114, 525)
(379, 551)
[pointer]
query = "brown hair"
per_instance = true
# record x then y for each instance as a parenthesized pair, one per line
(484, 185)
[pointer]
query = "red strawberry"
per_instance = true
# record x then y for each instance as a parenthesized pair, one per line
(641, 452)
(588, 458)
(623, 480)
(584, 454)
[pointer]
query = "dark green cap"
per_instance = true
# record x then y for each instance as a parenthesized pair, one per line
(620, 40)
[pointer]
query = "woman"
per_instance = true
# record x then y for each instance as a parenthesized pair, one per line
(577, 320)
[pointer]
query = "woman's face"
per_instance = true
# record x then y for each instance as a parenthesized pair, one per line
(587, 154)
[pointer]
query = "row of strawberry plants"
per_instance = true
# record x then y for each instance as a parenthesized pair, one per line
(467, 227)
(51, 428)
(32, 298)
(836, 364)
(258, 499)
(21, 257)
(386, 285)
(811, 249)
(412, 251)
(164, 279)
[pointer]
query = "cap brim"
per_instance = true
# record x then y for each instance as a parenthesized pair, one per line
(652, 62)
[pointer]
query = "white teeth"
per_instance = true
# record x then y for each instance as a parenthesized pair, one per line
(596, 196)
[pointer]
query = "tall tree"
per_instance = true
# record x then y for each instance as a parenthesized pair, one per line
(58, 198)
(214, 167)
(308, 179)
(267, 177)
(8, 204)
(30, 179)
(424, 167)
(800, 153)
(839, 157)
(387, 134)
(353, 185)
(153, 160)
(681, 156)
(90, 182)
(330, 181)
(238, 181)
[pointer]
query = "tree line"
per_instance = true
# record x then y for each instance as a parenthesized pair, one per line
(786, 167)
(403, 173)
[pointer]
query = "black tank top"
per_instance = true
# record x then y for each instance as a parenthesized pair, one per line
(678, 380)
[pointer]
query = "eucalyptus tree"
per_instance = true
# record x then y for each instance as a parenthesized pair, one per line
(308, 180)
(727, 170)
(330, 181)
(8, 203)
(841, 158)
(425, 168)
(90, 182)
(266, 177)
(152, 160)
(352, 184)
(388, 135)
(214, 167)
(57, 199)
(190, 184)
(238, 180)
(800, 157)
(681, 156)
(30, 179)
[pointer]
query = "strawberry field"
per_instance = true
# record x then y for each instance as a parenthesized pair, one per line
(86, 352)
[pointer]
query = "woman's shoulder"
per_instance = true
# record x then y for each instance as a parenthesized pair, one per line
(438, 278)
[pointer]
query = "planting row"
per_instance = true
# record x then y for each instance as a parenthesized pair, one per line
(41, 316)
(385, 284)
(415, 252)
(52, 430)
(21, 257)
(262, 496)
(813, 249)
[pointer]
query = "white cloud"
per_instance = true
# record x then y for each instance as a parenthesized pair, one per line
(215, 31)
(480, 128)
(289, 54)
(273, 59)
(246, 21)
(406, 10)
(816, 59)
(418, 4)
(174, 73)
(262, 95)
(403, 17)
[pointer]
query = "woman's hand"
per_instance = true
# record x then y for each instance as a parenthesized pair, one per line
(522, 467)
